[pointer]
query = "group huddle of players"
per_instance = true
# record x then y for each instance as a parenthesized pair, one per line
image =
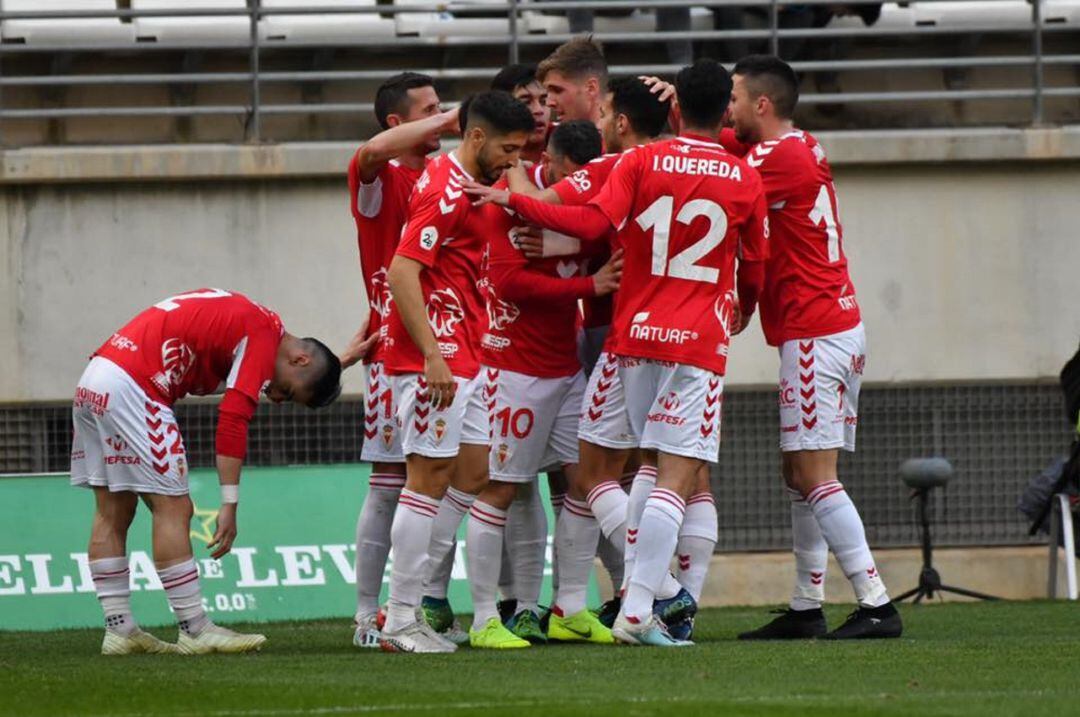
(548, 297)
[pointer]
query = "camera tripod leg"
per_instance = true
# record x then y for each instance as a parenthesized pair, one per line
(968, 593)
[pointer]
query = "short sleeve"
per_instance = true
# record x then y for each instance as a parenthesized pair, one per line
(616, 197)
(778, 165)
(435, 216)
(253, 362)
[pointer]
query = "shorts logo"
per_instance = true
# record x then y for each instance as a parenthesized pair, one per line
(787, 394)
(444, 312)
(155, 431)
(120, 447)
(607, 377)
(429, 236)
(807, 386)
(117, 443)
(388, 435)
(98, 403)
(502, 454)
(423, 407)
(710, 415)
(181, 468)
(858, 363)
(670, 402)
(440, 429)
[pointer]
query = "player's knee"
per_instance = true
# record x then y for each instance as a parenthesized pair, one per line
(499, 494)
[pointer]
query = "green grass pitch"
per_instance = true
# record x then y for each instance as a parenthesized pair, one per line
(955, 659)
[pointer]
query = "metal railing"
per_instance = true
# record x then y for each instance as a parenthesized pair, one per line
(254, 109)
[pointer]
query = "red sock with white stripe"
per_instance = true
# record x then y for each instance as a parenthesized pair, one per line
(373, 540)
(811, 555)
(483, 549)
(843, 530)
(410, 536)
(658, 534)
(576, 536)
(181, 583)
(452, 510)
(112, 582)
(644, 482)
(697, 540)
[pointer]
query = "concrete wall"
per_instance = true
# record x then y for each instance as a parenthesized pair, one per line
(964, 250)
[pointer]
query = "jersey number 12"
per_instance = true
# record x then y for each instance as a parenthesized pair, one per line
(684, 264)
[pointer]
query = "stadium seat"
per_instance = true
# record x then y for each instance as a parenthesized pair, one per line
(639, 21)
(1061, 12)
(336, 27)
(436, 24)
(65, 31)
(973, 12)
(224, 29)
(895, 16)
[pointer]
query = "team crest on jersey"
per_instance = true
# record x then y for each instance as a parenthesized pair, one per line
(500, 313)
(440, 429)
(177, 358)
(421, 184)
(724, 308)
(502, 453)
(381, 298)
(444, 312)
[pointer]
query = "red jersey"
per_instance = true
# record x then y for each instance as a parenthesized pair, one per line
(532, 306)
(579, 188)
(448, 238)
(685, 208)
(379, 209)
(198, 343)
(808, 292)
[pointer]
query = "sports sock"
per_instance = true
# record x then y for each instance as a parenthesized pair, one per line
(557, 501)
(483, 546)
(411, 537)
(658, 533)
(527, 533)
(626, 481)
(112, 582)
(697, 539)
(181, 583)
(608, 503)
(506, 561)
(576, 535)
(843, 530)
(811, 555)
(644, 482)
(373, 540)
(612, 560)
(452, 510)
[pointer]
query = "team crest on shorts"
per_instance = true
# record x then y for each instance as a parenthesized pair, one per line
(388, 435)
(181, 467)
(502, 453)
(440, 429)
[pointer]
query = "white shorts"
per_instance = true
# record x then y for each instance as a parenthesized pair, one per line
(603, 408)
(819, 391)
(673, 407)
(533, 423)
(435, 433)
(382, 429)
(123, 440)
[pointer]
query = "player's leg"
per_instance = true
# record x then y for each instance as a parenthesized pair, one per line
(697, 540)
(382, 448)
(527, 537)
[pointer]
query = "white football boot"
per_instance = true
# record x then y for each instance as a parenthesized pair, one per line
(215, 638)
(136, 643)
(367, 632)
(417, 637)
(651, 633)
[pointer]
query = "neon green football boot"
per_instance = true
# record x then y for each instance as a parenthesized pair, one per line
(580, 627)
(526, 625)
(494, 636)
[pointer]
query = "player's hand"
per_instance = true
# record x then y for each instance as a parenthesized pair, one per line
(606, 279)
(450, 124)
(486, 195)
(358, 347)
(226, 531)
(440, 382)
(739, 319)
(530, 240)
(663, 90)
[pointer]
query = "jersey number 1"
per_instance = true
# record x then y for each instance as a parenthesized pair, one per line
(823, 212)
(684, 264)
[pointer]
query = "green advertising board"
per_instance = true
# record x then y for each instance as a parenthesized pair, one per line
(292, 559)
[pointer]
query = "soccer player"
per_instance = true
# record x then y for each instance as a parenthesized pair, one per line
(684, 209)
(127, 444)
(809, 311)
(381, 177)
(433, 342)
(530, 355)
(520, 81)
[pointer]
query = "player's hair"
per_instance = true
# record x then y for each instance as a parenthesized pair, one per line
(391, 95)
(770, 76)
(576, 59)
(704, 91)
(499, 111)
(327, 384)
(631, 97)
(579, 140)
(512, 77)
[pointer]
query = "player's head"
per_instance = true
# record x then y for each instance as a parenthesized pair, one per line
(630, 112)
(572, 145)
(306, 372)
(407, 97)
(520, 81)
(497, 127)
(574, 77)
(766, 90)
(704, 91)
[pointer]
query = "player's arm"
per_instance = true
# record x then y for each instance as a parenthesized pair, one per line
(587, 222)
(372, 157)
(517, 177)
(753, 251)
(358, 347)
(404, 278)
(516, 282)
(234, 416)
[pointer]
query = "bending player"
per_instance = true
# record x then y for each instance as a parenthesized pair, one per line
(381, 178)
(809, 311)
(432, 346)
(685, 209)
(127, 444)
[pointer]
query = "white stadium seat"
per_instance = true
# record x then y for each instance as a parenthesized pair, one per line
(198, 28)
(894, 16)
(65, 31)
(336, 27)
(701, 19)
(972, 12)
(1061, 12)
(435, 24)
